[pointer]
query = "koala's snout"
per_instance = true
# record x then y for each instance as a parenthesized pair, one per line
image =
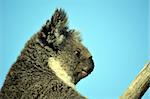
(91, 59)
(84, 68)
(89, 62)
(91, 65)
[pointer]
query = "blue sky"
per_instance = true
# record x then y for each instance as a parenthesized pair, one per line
(115, 32)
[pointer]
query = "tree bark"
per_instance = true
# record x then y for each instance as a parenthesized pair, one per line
(139, 86)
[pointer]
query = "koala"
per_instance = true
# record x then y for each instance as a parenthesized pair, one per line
(52, 62)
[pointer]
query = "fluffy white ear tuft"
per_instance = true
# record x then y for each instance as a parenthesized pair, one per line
(54, 32)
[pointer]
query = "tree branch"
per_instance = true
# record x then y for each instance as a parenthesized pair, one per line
(139, 86)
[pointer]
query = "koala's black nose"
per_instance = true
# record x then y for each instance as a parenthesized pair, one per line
(91, 64)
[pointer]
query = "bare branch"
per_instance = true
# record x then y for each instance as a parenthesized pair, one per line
(139, 86)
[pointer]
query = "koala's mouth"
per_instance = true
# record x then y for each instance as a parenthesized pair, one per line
(82, 74)
(85, 72)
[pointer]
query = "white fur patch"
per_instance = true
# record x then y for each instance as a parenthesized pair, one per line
(55, 65)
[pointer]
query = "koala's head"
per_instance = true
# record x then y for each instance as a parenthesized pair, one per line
(72, 55)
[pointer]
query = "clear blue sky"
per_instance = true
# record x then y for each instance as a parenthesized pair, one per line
(115, 32)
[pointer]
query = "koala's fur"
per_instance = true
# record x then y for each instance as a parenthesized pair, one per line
(50, 64)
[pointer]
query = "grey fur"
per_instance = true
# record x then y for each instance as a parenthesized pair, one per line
(30, 77)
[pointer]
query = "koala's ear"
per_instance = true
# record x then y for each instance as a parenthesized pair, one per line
(59, 19)
(55, 30)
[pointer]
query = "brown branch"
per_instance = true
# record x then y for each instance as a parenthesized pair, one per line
(139, 86)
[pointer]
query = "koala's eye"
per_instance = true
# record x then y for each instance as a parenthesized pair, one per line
(77, 52)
